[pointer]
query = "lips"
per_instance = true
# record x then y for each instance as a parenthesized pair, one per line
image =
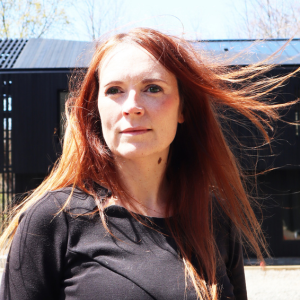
(135, 130)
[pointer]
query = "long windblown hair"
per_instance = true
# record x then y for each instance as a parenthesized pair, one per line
(201, 167)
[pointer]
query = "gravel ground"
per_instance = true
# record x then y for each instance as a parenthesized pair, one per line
(273, 284)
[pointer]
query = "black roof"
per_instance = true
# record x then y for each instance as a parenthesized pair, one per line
(52, 53)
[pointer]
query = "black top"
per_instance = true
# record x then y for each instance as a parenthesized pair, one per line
(71, 256)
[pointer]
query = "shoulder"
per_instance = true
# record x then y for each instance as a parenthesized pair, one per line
(40, 245)
(54, 202)
(51, 211)
(222, 223)
(227, 236)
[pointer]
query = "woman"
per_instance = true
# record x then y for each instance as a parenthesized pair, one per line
(146, 201)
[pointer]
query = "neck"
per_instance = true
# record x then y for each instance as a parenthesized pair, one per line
(144, 180)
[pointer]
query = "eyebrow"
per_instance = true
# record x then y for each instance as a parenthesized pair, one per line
(113, 82)
(144, 81)
(149, 80)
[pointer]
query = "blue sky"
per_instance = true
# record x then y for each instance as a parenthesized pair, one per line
(209, 19)
(215, 18)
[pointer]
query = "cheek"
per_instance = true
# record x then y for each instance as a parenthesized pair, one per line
(168, 111)
(108, 109)
(108, 112)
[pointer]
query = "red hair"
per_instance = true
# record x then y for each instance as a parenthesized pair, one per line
(201, 167)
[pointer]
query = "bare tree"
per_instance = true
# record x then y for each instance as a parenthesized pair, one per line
(269, 19)
(31, 18)
(99, 16)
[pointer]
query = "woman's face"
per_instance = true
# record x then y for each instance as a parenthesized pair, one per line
(138, 103)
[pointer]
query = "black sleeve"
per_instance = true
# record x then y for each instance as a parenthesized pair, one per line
(235, 265)
(231, 266)
(35, 261)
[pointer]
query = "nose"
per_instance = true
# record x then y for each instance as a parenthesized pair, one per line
(132, 105)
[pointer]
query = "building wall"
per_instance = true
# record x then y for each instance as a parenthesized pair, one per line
(35, 123)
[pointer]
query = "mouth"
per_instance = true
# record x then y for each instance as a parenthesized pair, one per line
(135, 130)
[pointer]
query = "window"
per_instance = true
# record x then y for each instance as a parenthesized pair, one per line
(7, 177)
(63, 96)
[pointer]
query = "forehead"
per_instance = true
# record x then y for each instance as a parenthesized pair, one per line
(127, 61)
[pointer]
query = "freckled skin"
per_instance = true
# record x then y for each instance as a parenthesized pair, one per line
(137, 91)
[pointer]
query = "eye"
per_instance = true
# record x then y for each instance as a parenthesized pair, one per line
(154, 89)
(112, 91)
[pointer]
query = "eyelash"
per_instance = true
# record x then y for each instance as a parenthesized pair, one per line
(109, 90)
(154, 86)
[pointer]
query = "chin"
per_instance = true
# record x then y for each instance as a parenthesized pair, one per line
(132, 152)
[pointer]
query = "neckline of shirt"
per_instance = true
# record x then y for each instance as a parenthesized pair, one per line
(117, 208)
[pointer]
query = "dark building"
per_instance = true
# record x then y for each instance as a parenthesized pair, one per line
(34, 83)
